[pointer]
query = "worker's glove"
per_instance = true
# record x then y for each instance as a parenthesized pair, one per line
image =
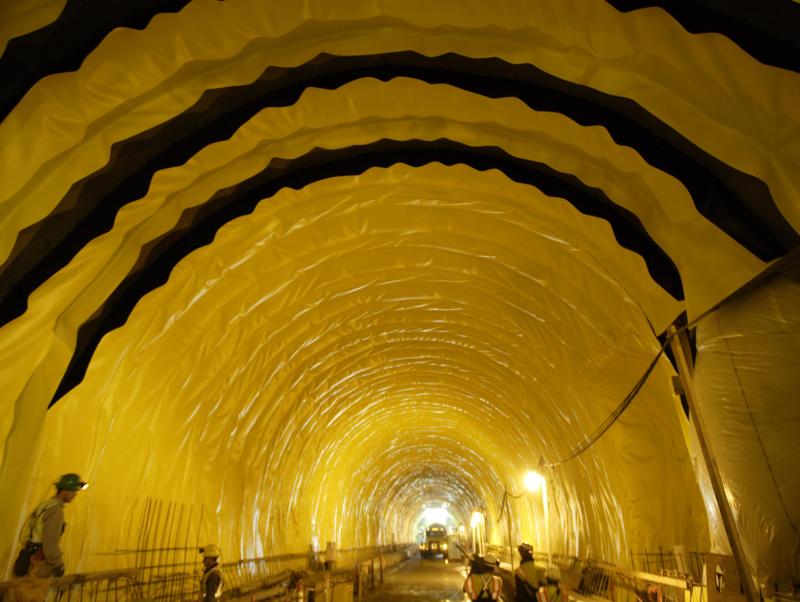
(58, 571)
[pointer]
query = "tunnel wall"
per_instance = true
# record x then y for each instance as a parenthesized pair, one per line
(467, 281)
(748, 382)
(262, 421)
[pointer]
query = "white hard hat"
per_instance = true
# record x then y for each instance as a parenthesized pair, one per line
(210, 551)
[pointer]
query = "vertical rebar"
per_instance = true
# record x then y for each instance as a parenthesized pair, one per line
(141, 554)
(163, 555)
(150, 552)
(175, 544)
(127, 542)
(199, 526)
(140, 536)
(146, 570)
(158, 551)
(185, 568)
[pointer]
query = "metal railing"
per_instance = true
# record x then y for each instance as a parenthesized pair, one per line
(106, 586)
(667, 563)
(247, 578)
(667, 579)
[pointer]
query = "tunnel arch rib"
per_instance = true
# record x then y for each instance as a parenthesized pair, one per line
(736, 202)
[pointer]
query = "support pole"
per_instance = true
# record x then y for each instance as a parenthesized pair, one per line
(510, 542)
(679, 342)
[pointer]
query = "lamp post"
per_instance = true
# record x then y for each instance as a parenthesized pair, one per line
(476, 522)
(506, 505)
(533, 482)
(536, 482)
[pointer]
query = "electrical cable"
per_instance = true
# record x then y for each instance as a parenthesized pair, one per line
(618, 411)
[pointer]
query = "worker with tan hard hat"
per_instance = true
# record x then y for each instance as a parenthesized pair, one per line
(481, 583)
(211, 583)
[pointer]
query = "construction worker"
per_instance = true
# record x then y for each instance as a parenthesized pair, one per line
(41, 535)
(330, 556)
(481, 584)
(211, 583)
(551, 591)
(40, 558)
(528, 577)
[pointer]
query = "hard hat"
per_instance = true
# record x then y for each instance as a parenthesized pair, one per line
(70, 482)
(525, 549)
(210, 551)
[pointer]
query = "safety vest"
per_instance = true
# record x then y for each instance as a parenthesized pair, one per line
(34, 526)
(483, 586)
(550, 593)
(215, 570)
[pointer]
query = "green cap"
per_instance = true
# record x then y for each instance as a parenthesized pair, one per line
(70, 482)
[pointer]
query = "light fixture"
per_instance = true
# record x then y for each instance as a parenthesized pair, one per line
(477, 519)
(534, 481)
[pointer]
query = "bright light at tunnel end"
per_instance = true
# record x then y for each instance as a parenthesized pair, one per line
(436, 515)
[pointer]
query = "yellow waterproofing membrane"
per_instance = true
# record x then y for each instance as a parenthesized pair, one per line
(19, 18)
(367, 344)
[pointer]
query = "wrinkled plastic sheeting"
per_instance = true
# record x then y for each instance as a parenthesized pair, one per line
(748, 381)
(286, 383)
(363, 346)
(20, 18)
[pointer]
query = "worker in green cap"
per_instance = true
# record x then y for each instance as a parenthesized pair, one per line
(41, 536)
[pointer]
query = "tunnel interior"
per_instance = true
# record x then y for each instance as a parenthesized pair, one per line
(312, 269)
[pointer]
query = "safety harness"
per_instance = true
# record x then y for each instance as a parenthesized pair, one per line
(34, 527)
(488, 587)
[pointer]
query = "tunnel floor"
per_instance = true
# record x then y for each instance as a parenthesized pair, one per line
(421, 579)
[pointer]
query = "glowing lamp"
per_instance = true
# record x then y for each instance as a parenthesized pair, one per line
(477, 519)
(534, 481)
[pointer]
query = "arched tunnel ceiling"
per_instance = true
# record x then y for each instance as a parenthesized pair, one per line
(315, 265)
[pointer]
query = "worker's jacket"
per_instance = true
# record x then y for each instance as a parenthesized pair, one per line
(483, 586)
(208, 591)
(44, 529)
(528, 576)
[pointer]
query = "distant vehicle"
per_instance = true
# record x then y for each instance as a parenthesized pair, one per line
(435, 542)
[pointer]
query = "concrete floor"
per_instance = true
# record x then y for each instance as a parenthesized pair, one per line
(419, 580)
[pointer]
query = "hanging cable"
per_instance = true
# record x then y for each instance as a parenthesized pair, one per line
(612, 418)
(775, 267)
